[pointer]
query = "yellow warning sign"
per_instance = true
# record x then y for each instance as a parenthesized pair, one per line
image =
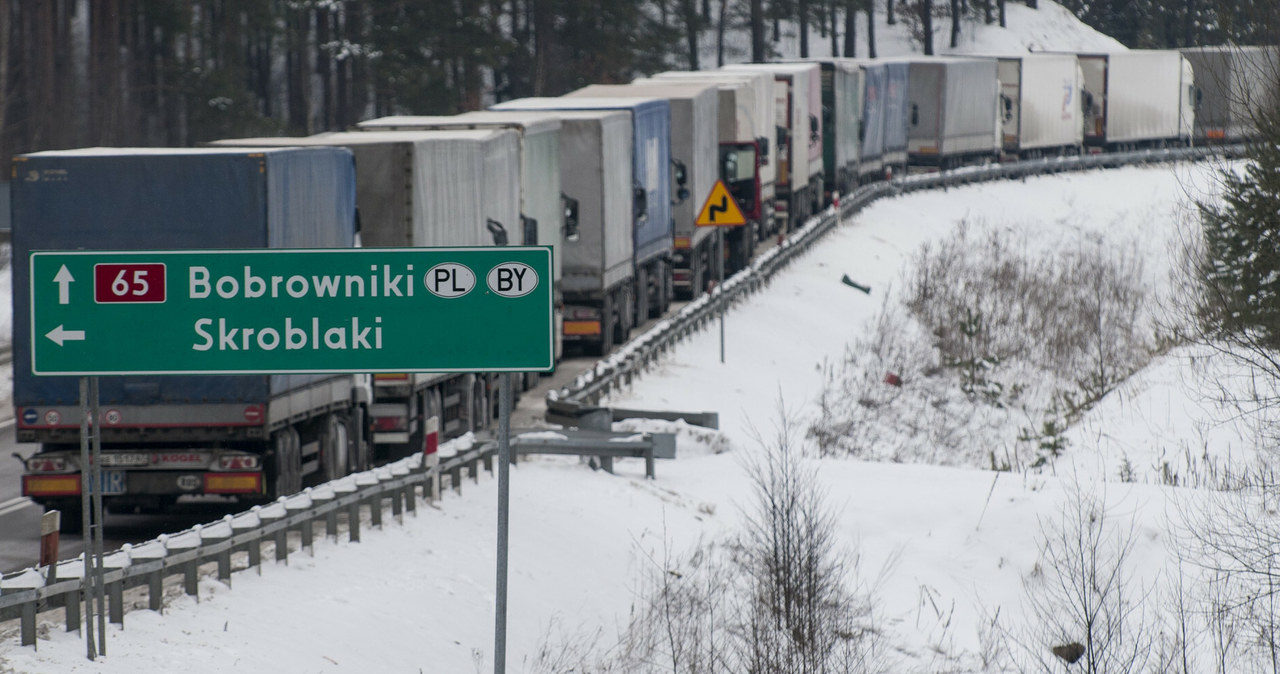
(720, 210)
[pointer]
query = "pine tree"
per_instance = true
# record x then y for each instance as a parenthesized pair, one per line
(1240, 269)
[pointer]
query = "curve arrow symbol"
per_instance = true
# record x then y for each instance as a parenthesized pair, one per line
(60, 335)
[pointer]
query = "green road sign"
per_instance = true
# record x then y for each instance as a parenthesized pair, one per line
(292, 311)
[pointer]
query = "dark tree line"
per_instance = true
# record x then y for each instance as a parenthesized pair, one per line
(77, 73)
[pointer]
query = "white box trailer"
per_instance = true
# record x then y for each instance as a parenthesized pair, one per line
(1138, 98)
(843, 86)
(798, 106)
(746, 123)
(1232, 82)
(595, 165)
(427, 189)
(543, 203)
(1040, 106)
(951, 116)
(695, 141)
(747, 113)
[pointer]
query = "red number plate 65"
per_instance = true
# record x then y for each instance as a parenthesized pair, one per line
(134, 282)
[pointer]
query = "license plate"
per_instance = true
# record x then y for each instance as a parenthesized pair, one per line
(126, 459)
(112, 482)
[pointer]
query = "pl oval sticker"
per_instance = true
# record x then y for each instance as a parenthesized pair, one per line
(512, 279)
(449, 280)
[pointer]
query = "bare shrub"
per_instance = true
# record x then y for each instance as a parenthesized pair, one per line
(799, 615)
(773, 599)
(1234, 537)
(1084, 603)
(984, 334)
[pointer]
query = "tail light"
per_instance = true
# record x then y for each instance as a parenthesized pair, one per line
(48, 464)
(51, 485)
(233, 483)
(390, 424)
(239, 462)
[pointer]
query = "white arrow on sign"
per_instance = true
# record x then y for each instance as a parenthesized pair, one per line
(64, 279)
(59, 335)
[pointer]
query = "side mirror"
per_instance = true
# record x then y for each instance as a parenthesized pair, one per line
(1199, 96)
(782, 137)
(915, 114)
(729, 167)
(570, 206)
(764, 150)
(1086, 103)
(498, 232)
(1006, 105)
(813, 129)
(681, 173)
(639, 204)
(530, 227)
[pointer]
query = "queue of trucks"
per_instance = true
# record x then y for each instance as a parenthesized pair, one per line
(611, 177)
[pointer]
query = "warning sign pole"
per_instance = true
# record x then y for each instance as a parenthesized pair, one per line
(720, 211)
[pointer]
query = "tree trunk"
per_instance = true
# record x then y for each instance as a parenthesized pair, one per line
(724, 12)
(888, 11)
(757, 31)
(871, 29)
(543, 27)
(1002, 18)
(689, 16)
(835, 22)
(987, 17)
(926, 22)
(955, 23)
(803, 6)
(850, 28)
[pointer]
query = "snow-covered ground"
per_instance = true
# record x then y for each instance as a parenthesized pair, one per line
(956, 543)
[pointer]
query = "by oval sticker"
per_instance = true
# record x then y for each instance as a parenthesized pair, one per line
(449, 280)
(512, 279)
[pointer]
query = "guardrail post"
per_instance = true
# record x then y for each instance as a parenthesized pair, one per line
(295, 507)
(250, 527)
(375, 510)
(411, 499)
(73, 611)
(29, 621)
(455, 477)
(115, 602)
(397, 504)
(353, 522)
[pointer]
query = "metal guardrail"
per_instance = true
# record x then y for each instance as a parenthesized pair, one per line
(621, 368)
(26, 594)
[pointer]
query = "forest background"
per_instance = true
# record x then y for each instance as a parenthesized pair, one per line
(80, 73)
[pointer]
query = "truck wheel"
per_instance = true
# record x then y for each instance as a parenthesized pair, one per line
(333, 448)
(288, 463)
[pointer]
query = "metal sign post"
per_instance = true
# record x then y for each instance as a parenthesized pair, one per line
(504, 521)
(86, 510)
(94, 587)
(720, 289)
(720, 211)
